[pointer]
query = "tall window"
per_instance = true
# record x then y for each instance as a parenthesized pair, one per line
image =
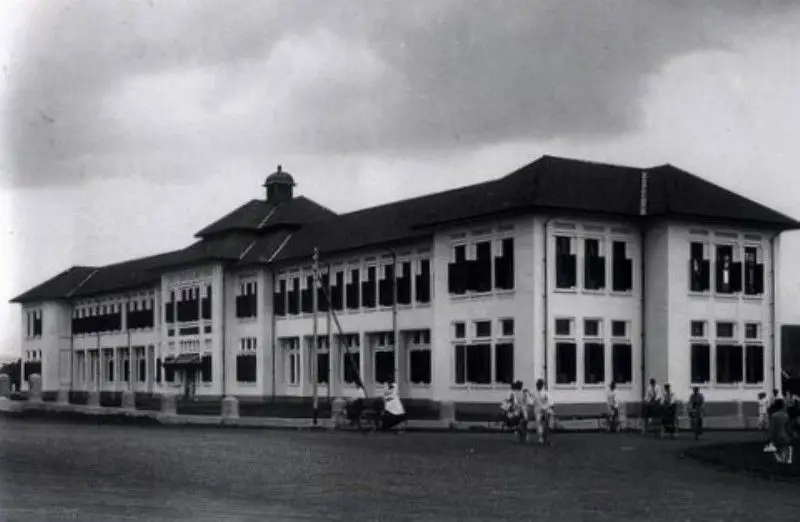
(247, 300)
(423, 281)
(293, 296)
(279, 298)
(479, 275)
(322, 290)
(481, 266)
(622, 267)
(729, 359)
(368, 288)
(753, 271)
(34, 323)
(594, 265)
(307, 294)
(205, 303)
(291, 353)
(386, 285)
(728, 272)
(351, 357)
(566, 262)
(169, 308)
(140, 313)
(206, 368)
(699, 268)
(323, 360)
(621, 353)
(246, 360)
(337, 290)
(189, 304)
(419, 357)
(383, 357)
(141, 364)
(108, 359)
(594, 358)
(754, 354)
(404, 283)
(353, 289)
(700, 353)
(458, 270)
(566, 352)
(504, 264)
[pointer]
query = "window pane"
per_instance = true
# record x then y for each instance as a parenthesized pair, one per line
(504, 363)
(622, 363)
(504, 266)
(566, 263)
(619, 329)
(566, 363)
(591, 328)
(594, 366)
(622, 269)
(701, 364)
(594, 267)
(483, 328)
(729, 364)
(479, 364)
(751, 331)
(420, 361)
(461, 364)
(323, 368)
(698, 329)
(725, 330)
(481, 270)
(384, 366)
(755, 364)
(352, 360)
(507, 327)
(460, 330)
(206, 368)
(563, 327)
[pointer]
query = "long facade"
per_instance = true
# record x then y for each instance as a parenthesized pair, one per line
(577, 297)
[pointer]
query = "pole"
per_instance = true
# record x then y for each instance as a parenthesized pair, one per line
(315, 399)
(396, 332)
(331, 378)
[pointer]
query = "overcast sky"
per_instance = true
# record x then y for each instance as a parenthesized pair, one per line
(126, 127)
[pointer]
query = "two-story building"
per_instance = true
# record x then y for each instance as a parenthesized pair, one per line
(576, 272)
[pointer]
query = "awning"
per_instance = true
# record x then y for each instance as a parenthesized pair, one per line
(184, 360)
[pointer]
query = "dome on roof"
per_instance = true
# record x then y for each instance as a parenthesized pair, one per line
(279, 177)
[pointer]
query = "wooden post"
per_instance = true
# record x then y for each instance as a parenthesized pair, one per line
(315, 399)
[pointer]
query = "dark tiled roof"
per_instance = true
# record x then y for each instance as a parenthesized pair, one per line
(57, 287)
(259, 215)
(265, 248)
(135, 273)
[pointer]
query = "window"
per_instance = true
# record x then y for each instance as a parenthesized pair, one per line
(701, 363)
(108, 355)
(566, 264)
(337, 290)
(457, 271)
(291, 350)
(206, 368)
(564, 327)
(384, 363)
(619, 329)
(479, 275)
(352, 289)
(141, 364)
(594, 265)
(622, 363)
(246, 361)
(725, 330)
(699, 268)
(386, 285)
(752, 331)
(727, 271)
(420, 357)
(352, 362)
(504, 264)
(594, 365)
(591, 328)
(621, 268)
(158, 370)
(423, 281)
(504, 363)
(34, 323)
(566, 363)
(483, 328)
(754, 364)
(507, 327)
(698, 329)
(307, 294)
(753, 271)
(247, 300)
(473, 364)
(188, 306)
(205, 303)
(322, 287)
(729, 364)
(368, 288)
(140, 313)
(459, 330)
(126, 365)
(404, 284)
(293, 296)
(279, 298)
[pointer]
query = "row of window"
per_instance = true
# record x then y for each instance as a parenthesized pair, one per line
(595, 267)
(33, 355)
(108, 318)
(477, 267)
(737, 269)
(33, 323)
(355, 288)
(187, 305)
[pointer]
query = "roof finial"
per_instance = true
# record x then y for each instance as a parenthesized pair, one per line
(279, 168)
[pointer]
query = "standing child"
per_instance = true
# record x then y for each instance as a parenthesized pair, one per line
(668, 412)
(613, 405)
(696, 409)
(543, 409)
(763, 412)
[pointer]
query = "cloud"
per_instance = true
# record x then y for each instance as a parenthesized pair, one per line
(136, 79)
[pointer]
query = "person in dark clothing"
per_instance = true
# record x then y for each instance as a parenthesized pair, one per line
(779, 433)
(696, 409)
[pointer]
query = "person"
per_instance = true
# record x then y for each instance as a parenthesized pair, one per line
(779, 433)
(515, 406)
(763, 412)
(668, 411)
(613, 405)
(650, 405)
(696, 410)
(793, 411)
(393, 412)
(543, 410)
(775, 396)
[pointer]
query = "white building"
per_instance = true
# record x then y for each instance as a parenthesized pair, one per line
(580, 273)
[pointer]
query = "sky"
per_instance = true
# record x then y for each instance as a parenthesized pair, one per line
(126, 127)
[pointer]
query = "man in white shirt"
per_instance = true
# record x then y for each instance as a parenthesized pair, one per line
(543, 409)
(613, 405)
(650, 408)
(393, 411)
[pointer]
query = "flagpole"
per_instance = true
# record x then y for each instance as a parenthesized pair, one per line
(331, 378)
(315, 399)
(395, 330)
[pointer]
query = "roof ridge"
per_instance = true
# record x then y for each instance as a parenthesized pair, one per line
(80, 285)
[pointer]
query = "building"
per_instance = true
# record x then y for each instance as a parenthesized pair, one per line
(581, 273)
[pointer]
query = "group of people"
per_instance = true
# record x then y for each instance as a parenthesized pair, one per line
(522, 406)
(778, 420)
(388, 410)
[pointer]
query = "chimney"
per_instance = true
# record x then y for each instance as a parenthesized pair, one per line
(280, 186)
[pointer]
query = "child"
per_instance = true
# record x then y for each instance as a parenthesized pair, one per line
(515, 406)
(393, 411)
(696, 406)
(763, 412)
(650, 406)
(613, 405)
(779, 433)
(543, 408)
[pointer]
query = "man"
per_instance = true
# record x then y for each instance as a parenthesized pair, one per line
(543, 410)
(393, 411)
(779, 433)
(650, 407)
(613, 405)
(696, 409)
(668, 412)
